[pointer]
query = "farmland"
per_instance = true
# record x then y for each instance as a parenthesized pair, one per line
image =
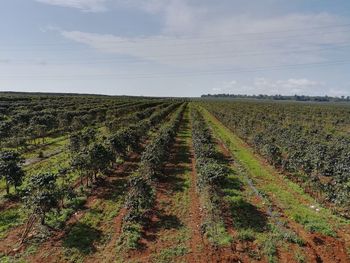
(130, 179)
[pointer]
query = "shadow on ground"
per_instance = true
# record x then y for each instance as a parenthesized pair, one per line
(82, 238)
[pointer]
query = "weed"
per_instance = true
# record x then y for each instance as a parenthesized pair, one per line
(10, 218)
(246, 234)
(168, 254)
(299, 256)
(131, 234)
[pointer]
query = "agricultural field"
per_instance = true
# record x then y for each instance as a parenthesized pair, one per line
(130, 179)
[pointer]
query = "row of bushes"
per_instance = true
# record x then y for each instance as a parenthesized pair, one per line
(211, 173)
(310, 143)
(129, 137)
(29, 122)
(141, 195)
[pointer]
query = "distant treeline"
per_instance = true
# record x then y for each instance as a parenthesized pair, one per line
(279, 97)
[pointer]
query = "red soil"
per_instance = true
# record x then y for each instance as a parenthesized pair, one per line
(109, 251)
(8, 204)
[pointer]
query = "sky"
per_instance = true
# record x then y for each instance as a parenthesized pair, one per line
(176, 47)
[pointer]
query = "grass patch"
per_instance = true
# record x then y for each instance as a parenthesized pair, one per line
(9, 259)
(81, 239)
(177, 249)
(299, 256)
(88, 233)
(213, 225)
(129, 239)
(175, 237)
(248, 220)
(247, 234)
(216, 233)
(57, 220)
(168, 254)
(10, 218)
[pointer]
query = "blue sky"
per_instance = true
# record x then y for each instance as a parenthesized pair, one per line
(176, 47)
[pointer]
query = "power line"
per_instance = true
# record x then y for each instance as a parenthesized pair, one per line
(177, 57)
(180, 74)
(211, 36)
(172, 41)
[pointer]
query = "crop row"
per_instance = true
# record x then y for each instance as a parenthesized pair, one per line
(52, 195)
(26, 123)
(141, 195)
(211, 174)
(307, 142)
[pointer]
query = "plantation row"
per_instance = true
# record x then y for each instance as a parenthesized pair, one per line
(211, 174)
(86, 144)
(160, 180)
(129, 136)
(87, 151)
(134, 116)
(52, 196)
(309, 142)
(141, 195)
(25, 119)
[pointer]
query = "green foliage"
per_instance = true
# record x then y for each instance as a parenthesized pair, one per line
(82, 237)
(10, 169)
(299, 256)
(99, 157)
(211, 174)
(246, 234)
(131, 234)
(140, 198)
(42, 195)
(168, 254)
(9, 218)
(308, 139)
(141, 195)
(289, 197)
(130, 136)
(216, 233)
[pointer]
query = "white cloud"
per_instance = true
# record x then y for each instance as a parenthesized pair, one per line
(226, 87)
(84, 5)
(194, 36)
(292, 86)
(188, 40)
(169, 8)
(5, 61)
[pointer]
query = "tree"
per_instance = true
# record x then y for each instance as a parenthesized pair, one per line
(211, 172)
(43, 124)
(77, 123)
(80, 163)
(117, 144)
(140, 198)
(100, 158)
(43, 194)
(66, 190)
(74, 142)
(10, 169)
(273, 154)
(88, 136)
